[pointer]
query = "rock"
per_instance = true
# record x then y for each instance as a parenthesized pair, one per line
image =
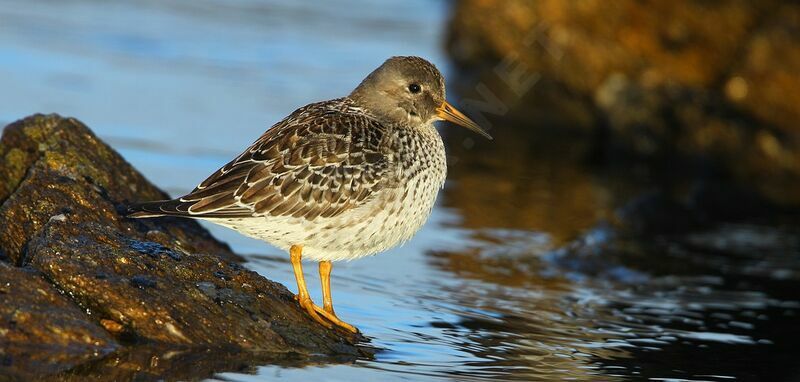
(765, 79)
(157, 297)
(42, 330)
(583, 43)
(698, 80)
(158, 281)
(54, 168)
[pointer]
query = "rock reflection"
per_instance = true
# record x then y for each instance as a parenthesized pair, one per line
(551, 323)
(153, 362)
(524, 180)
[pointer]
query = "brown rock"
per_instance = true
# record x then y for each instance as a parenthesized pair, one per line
(717, 81)
(158, 281)
(166, 295)
(766, 79)
(56, 167)
(41, 330)
(582, 43)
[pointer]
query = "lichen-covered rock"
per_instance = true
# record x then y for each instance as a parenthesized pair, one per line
(716, 81)
(160, 281)
(56, 166)
(145, 290)
(41, 330)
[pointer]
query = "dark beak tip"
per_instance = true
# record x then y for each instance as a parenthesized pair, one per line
(449, 113)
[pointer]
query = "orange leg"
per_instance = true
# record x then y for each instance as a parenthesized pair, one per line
(296, 255)
(325, 268)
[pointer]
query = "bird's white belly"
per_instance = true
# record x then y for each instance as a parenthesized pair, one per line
(390, 218)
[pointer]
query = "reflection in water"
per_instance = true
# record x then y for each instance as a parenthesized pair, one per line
(548, 325)
(521, 273)
(527, 181)
(710, 304)
(148, 362)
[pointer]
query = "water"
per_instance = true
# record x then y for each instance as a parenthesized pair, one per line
(515, 277)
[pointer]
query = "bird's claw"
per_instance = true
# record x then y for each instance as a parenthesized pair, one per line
(311, 308)
(335, 320)
(317, 313)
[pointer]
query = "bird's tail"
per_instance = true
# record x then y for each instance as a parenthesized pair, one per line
(158, 208)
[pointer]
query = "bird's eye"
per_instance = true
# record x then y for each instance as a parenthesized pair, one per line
(414, 88)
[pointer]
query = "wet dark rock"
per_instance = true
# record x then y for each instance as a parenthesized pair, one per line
(111, 281)
(656, 211)
(41, 330)
(208, 288)
(143, 281)
(154, 250)
(715, 82)
(159, 298)
(56, 170)
(705, 204)
(221, 275)
(714, 228)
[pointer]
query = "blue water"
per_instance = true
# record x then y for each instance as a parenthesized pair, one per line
(179, 87)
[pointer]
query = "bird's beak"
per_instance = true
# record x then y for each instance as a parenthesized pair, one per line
(448, 113)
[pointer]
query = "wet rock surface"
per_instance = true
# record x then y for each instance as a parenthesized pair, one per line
(676, 84)
(80, 281)
(41, 330)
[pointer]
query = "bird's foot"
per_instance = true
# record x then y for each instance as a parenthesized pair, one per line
(331, 316)
(311, 308)
(317, 313)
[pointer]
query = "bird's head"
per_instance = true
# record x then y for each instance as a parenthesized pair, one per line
(409, 90)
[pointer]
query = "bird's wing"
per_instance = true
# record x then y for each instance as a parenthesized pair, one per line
(320, 161)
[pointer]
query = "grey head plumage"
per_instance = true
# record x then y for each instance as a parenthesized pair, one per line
(403, 89)
(409, 90)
